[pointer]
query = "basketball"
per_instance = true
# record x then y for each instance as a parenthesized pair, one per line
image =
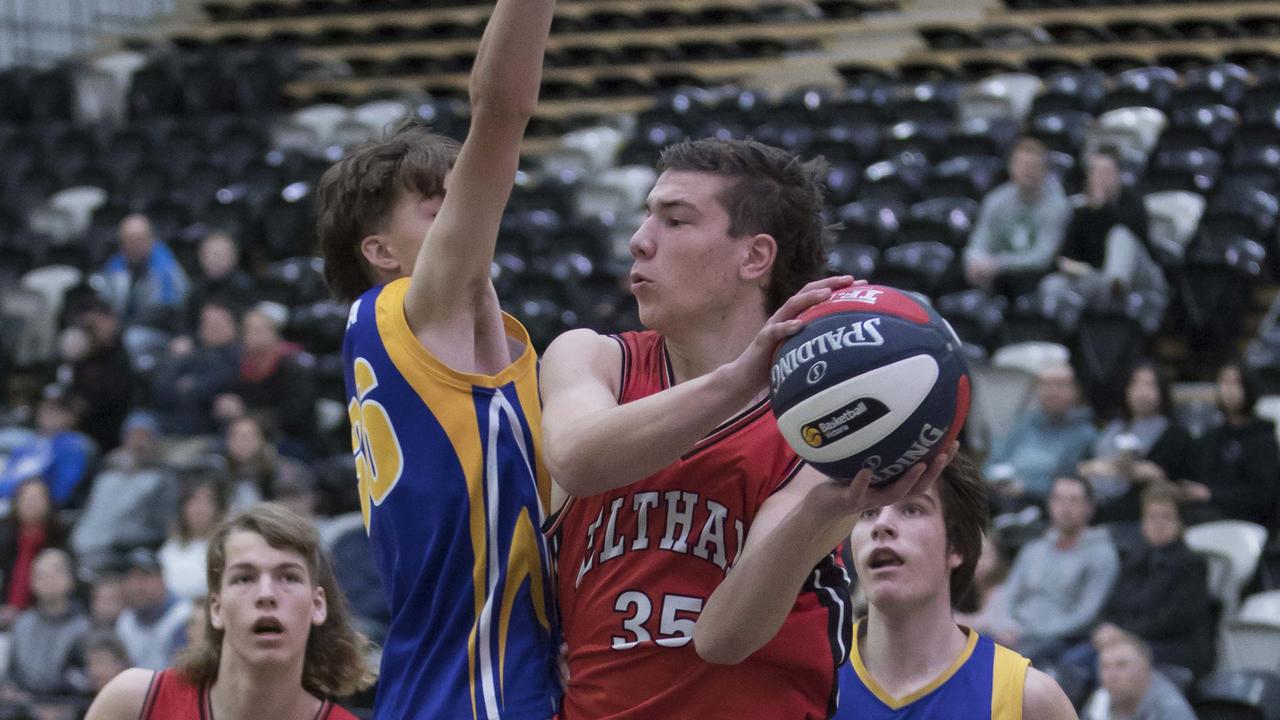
(875, 380)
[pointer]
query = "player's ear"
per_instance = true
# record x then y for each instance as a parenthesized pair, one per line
(319, 606)
(377, 252)
(954, 558)
(757, 260)
(215, 612)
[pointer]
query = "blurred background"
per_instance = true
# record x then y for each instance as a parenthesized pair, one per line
(1088, 191)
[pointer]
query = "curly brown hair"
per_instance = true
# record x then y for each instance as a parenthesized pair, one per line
(335, 664)
(355, 197)
(768, 191)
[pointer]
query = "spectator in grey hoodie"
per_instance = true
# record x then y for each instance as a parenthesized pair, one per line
(47, 653)
(1060, 581)
(1020, 225)
(133, 501)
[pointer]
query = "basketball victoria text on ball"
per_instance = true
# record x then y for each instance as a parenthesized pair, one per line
(874, 380)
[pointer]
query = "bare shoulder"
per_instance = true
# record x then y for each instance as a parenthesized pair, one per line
(1042, 698)
(123, 697)
(581, 349)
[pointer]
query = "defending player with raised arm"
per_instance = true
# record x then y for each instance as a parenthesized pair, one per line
(443, 398)
(278, 640)
(678, 472)
(910, 661)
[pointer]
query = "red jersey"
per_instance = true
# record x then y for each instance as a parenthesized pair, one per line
(172, 697)
(636, 564)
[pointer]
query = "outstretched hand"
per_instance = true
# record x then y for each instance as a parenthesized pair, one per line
(751, 368)
(860, 495)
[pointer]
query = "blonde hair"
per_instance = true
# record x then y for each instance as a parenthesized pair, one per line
(335, 664)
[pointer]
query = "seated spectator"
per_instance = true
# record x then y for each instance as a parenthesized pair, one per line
(47, 652)
(202, 506)
(1045, 443)
(254, 464)
(1161, 595)
(103, 379)
(272, 380)
(988, 606)
(1237, 473)
(1096, 261)
(106, 597)
(1131, 689)
(1061, 581)
(220, 275)
(143, 283)
(1144, 446)
(193, 373)
(133, 500)
(58, 454)
(154, 620)
(1020, 225)
(31, 528)
(104, 657)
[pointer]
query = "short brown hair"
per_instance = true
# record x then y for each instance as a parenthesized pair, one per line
(1163, 493)
(768, 191)
(356, 194)
(335, 664)
(1026, 143)
(964, 513)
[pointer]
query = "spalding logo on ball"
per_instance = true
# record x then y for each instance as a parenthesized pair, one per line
(874, 381)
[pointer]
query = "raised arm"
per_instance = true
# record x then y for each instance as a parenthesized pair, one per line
(450, 291)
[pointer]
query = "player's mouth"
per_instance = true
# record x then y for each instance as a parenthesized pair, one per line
(268, 628)
(883, 558)
(638, 280)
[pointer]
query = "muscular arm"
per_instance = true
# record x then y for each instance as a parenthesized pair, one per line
(451, 303)
(123, 697)
(790, 534)
(593, 444)
(1043, 699)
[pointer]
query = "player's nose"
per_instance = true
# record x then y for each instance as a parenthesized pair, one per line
(641, 243)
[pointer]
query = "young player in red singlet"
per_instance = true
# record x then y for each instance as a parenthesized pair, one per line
(678, 473)
(278, 639)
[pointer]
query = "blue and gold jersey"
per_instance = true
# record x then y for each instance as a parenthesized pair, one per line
(986, 681)
(453, 492)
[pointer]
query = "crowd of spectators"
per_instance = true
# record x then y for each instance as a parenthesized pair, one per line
(178, 399)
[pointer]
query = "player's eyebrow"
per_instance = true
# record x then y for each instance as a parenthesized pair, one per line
(287, 565)
(669, 205)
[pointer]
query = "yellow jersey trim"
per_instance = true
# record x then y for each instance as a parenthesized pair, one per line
(855, 656)
(1008, 678)
(393, 328)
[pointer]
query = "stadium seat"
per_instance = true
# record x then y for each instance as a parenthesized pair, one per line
(1253, 635)
(926, 267)
(1173, 219)
(975, 315)
(1138, 128)
(1039, 318)
(1008, 95)
(853, 258)
(1238, 541)
(1238, 695)
(872, 222)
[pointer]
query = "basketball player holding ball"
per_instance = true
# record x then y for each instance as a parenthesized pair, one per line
(694, 558)
(443, 399)
(910, 661)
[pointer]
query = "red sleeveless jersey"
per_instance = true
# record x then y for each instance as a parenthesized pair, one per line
(173, 697)
(636, 564)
